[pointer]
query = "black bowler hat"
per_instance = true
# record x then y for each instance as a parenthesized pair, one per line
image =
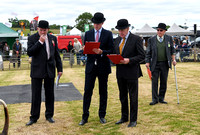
(162, 26)
(43, 24)
(98, 18)
(122, 24)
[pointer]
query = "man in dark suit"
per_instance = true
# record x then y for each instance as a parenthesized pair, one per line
(159, 55)
(43, 49)
(128, 71)
(98, 65)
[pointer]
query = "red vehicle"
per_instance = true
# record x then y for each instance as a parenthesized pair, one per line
(63, 41)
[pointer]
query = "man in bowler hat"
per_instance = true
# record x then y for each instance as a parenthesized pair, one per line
(160, 55)
(130, 47)
(43, 49)
(98, 65)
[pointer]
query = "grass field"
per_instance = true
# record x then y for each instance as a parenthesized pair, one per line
(170, 119)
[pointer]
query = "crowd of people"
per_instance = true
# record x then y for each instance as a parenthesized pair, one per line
(182, 48)
(16, 52)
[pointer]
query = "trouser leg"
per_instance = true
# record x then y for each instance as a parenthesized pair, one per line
(36, 86)
(123, 95)
(49, 96)
(88, 91)
(103, 79)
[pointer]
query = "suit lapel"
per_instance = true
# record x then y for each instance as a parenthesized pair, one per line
(166, 43)
(126, 44)
(92, 35)
(117, 45)
(101, 36)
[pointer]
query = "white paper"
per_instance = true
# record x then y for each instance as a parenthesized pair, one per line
(57, 80)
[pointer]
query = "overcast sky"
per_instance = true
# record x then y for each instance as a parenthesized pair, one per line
(138, 12)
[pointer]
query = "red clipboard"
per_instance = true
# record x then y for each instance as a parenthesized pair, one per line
(149, 73)
(115, 58)
(89, 46)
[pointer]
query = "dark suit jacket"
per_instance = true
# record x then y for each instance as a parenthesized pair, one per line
(134, 51)
(151, 52)
(15, 49)
(106, 44)
(40, 65)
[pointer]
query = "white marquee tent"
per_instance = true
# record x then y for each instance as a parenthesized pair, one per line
(175, 30)
(146, 31)
(74, 31)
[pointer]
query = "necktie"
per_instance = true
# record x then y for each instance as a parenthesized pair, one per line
(121, 46)
(97, 36)
(161, 39)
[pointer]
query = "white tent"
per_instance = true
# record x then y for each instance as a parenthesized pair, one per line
(176, 30)
(74, 31)
(146, 31)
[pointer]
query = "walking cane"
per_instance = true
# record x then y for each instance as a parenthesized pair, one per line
(176, 84)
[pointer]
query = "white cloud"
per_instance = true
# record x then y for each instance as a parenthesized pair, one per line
(138, 12)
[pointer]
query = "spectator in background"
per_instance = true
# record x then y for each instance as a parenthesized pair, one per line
(185, 51)
(176, 40)
(6, 50)
(17, 49)
(77, 48)
(83, 57)
(70, 46)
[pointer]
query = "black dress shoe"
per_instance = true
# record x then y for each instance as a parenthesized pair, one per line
(153, 103)
(30, 122)
(163, 102)
(102, 120)
(121, 121)
(132, 124)
(83, 122)
(51, 120)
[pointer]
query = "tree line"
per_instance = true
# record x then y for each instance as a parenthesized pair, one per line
(81, 20)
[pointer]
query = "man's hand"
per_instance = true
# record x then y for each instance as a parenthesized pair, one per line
(97, 51)
(125, 61)
(147, 65)
(42, 38)
(60, 74)
(174, 62)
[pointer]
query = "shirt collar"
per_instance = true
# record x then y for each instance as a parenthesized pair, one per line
(159, 37)
(127, 35)
(99, 30)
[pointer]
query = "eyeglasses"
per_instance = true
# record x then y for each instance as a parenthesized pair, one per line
(160, 30)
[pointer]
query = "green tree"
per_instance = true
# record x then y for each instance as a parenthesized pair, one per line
(15, 22)
(54, 26)
(84, 18)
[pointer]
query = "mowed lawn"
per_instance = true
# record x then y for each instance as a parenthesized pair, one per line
(170, 119)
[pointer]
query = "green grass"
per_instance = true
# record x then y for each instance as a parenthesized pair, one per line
(173, 118)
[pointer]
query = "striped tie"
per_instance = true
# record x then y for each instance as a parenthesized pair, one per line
(121, 46)
(97, 36)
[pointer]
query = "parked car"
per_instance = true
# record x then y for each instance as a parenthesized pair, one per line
(63, 41)
(197, 40)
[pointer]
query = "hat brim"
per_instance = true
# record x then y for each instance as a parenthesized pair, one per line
(124, 27)
(44, 27)
(97, 21)
(161, 28)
